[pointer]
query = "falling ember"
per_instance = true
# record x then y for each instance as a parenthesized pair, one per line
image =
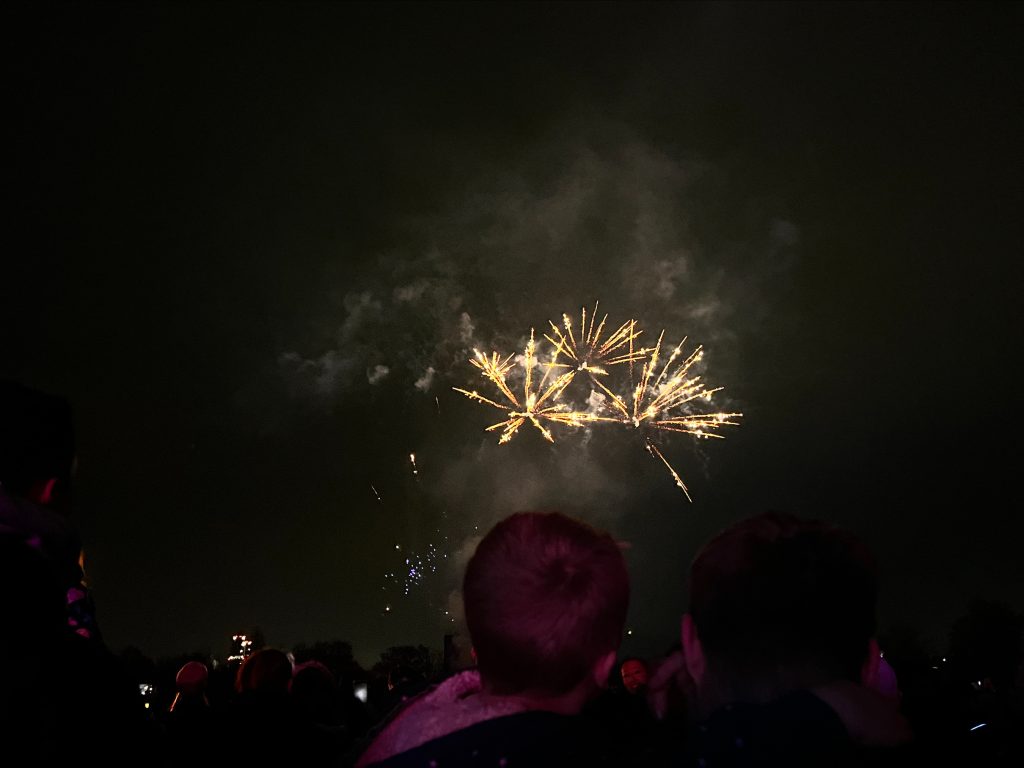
(665, 398)
(653, 450)
(412, 460)
(376, 494)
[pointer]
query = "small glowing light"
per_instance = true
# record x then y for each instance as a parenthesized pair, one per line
(943, 659)
(629, 631)
(979, 725)
(146, 705)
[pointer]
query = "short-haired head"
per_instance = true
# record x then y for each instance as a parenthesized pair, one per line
(268, 670)
(192, 678)
(545, 598)
(776, 598)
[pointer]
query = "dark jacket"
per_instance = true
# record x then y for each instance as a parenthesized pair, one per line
(449, 726)
(797, 730)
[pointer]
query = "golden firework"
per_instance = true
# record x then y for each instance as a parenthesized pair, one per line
(665, 399)
(538, 404)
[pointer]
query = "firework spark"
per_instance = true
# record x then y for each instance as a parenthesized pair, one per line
(654, 402)
(668, 403)
(590, 354)
(664, 399)
(539, 403)
(417, 566)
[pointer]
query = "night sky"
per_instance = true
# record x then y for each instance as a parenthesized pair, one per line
(254, 245)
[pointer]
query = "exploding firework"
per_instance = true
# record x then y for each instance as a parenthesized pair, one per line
(539, 403)
(665, 399)
(590, 354)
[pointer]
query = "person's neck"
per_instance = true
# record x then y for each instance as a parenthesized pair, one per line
(568, 703)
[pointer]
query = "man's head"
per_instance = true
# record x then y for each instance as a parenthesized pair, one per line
(37, 444)
(778, 603)
(546, 599)
(268, 670)
(634, 674)
(192, 678)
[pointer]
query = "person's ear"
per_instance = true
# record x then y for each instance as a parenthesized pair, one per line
(603, 669)
(869, 669)
(693, 653)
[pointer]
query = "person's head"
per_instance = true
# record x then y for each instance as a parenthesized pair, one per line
(37, 444)
(268, 670)
(545, 599)
(312, 689)
(634, 674)
(190, 682)
(192, 678)
(779, 603)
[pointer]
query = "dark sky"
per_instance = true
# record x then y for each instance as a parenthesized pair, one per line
(254, 243)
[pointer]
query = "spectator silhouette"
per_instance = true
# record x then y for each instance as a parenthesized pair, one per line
(321, 722)
(622, 712)
(404, 682)
(635, 676)
(779, 644)
(190, 726)
(261, 723)
(545, 600)
(37, 462)
(985, 647)
(63, 695)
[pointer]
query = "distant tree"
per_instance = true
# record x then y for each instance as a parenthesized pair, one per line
(336, 655)
(418, 658)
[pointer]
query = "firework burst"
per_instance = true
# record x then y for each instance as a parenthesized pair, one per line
(591, 354)
(666, 397)
(538, 404)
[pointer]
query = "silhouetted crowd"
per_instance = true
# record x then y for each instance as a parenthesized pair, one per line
(778, 661)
